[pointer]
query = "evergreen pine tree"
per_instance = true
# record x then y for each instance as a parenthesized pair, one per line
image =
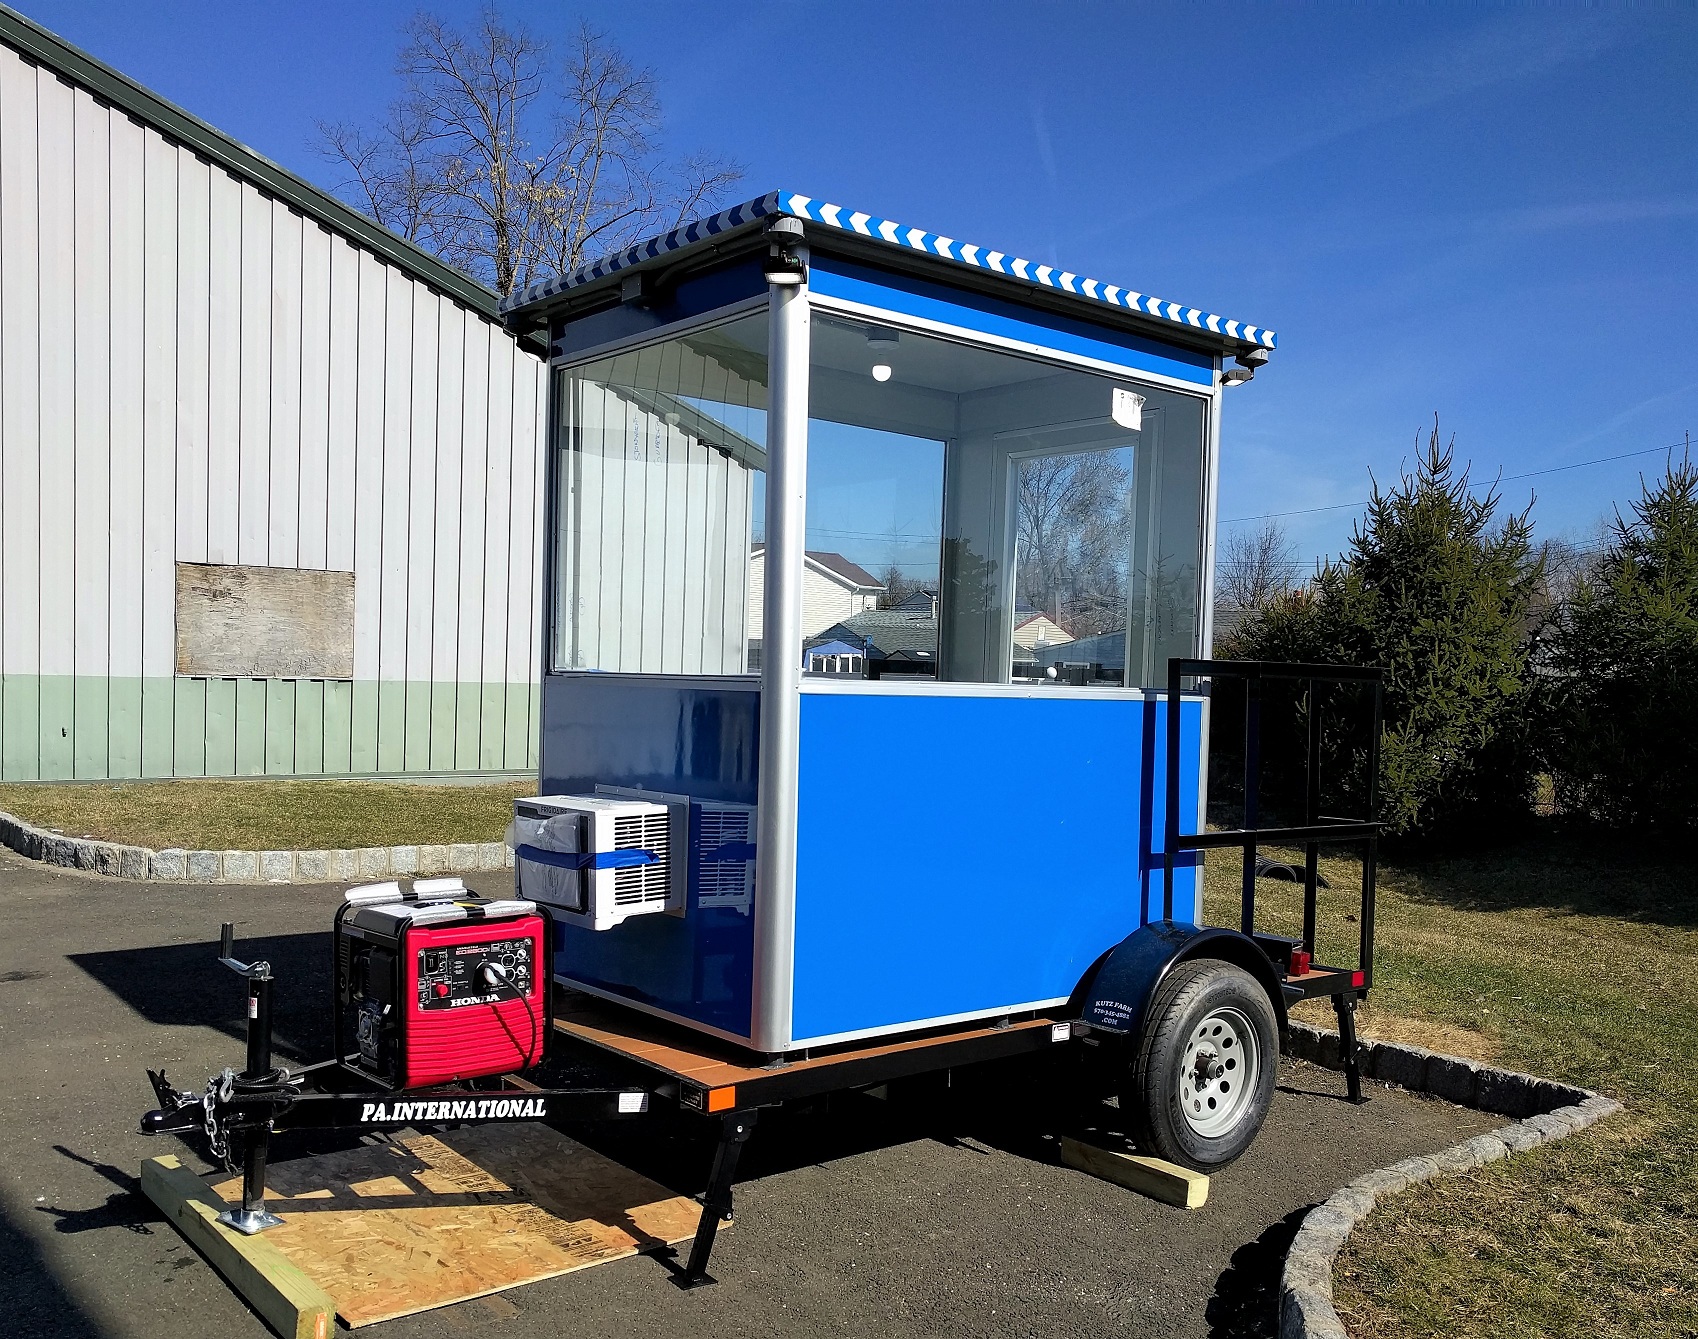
(1622, 728)
(1438, 595)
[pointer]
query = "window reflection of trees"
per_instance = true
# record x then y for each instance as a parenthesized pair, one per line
(1072, 518)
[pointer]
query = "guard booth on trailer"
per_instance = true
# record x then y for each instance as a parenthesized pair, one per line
(802, 827)
(874, 722)
(953, 835)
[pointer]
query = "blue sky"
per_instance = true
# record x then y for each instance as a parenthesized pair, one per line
(1486, 212)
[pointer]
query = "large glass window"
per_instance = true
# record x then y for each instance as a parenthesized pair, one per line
(660, 458)
(1017, 521)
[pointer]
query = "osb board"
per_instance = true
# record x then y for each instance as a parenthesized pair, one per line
(391, 1229)
(264, 622)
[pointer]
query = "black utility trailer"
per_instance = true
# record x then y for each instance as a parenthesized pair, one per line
(632, 1064)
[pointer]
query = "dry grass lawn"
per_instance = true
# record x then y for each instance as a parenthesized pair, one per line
(270, 815)
(1568, 958)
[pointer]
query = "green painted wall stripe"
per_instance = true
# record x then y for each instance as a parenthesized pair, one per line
(63, 727)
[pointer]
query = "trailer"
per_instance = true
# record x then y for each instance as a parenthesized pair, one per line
(803, 830)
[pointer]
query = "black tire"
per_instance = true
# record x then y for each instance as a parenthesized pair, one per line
(1194, 1047)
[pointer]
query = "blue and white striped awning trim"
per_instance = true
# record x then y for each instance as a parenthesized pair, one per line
(792, 205)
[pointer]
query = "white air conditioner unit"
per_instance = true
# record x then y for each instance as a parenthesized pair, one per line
(598, 860)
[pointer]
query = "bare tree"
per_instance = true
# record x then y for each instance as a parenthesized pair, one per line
(512, 166)
(1255, 566)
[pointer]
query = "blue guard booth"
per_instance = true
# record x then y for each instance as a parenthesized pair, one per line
(867, 550)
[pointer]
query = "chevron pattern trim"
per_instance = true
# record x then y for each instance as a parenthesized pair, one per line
(675, 240)
(790, 204)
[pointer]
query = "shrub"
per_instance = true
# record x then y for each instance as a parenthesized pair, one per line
(1436, 594)
(1621, 725)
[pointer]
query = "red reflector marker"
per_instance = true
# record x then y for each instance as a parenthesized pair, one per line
(1358, 978)
(1300, 961)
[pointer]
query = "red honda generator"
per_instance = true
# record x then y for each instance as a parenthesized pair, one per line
(436, 985)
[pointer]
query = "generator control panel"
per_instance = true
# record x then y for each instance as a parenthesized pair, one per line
(452, 976)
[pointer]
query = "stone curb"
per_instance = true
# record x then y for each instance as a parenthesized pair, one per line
(1543, 1110)
(175, 865)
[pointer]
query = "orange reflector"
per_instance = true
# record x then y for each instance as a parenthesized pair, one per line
(1358, 978)
(722, 1099)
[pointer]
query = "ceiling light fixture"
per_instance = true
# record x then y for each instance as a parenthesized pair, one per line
(881, 371)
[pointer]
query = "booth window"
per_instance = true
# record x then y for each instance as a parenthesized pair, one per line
(1027, 523)
(660, 460)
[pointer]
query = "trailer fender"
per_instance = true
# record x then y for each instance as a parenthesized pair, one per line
(1117, 994)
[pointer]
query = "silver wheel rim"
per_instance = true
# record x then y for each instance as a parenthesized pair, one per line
(1218, 1072)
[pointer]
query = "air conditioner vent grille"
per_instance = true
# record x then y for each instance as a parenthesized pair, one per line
(637, 884)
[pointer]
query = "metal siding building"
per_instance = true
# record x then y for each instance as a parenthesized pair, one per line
(204, 360)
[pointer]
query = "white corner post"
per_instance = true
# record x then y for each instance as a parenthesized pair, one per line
(781, 665)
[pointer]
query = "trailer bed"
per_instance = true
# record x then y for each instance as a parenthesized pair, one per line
(710, 1075)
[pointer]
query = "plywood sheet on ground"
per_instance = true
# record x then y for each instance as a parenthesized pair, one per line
(390, 1229)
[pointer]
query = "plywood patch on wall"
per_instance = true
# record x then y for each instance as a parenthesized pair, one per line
(264, 622)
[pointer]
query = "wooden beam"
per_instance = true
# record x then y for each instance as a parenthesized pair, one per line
(290, 1302)
(1164, 1181)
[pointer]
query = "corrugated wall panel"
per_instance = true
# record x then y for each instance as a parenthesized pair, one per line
(160, 332)
(56, 317)
(283, 460)
(191, 371)
(20, 426)
(127, 351)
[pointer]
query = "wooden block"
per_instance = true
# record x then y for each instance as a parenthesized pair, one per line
(1179, 1186)
(290, 1302)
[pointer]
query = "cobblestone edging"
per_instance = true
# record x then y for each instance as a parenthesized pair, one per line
(1543, 1111)
(182, 866)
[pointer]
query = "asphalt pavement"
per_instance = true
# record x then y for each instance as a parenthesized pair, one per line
(941, 1212)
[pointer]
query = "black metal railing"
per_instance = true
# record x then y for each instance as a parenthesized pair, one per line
(1316, 829)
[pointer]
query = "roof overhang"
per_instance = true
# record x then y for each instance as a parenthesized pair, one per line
(740, 230)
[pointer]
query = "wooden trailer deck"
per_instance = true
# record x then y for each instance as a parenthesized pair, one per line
(717, 1076)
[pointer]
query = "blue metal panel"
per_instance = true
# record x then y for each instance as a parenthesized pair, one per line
(836, 278)
(682, 737)
(968, 853)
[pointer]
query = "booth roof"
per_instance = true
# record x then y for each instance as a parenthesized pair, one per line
(744, 219)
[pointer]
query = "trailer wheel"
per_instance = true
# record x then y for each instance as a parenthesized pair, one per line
(1203, 1075)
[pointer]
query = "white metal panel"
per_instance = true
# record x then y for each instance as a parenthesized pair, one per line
(193, 248)
(315, 324)
(474, 476)
(499, 475)
(128, 354)
(449, 501)
(421, 513)
(223, 367)
(345, 325)
(87, 508)
(158, 496)
(394, 493)
(21, 437)
(283, 459)
(253, 487)
(524, 591)
(367, 442)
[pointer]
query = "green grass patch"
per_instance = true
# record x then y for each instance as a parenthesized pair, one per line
(270, 815)
(1576, 960)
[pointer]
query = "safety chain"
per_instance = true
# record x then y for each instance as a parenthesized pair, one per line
(218, 1090)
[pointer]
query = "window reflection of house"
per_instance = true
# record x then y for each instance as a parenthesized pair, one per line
(833, 588)
(1038, 630)
(836, 657)
(904, 636)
